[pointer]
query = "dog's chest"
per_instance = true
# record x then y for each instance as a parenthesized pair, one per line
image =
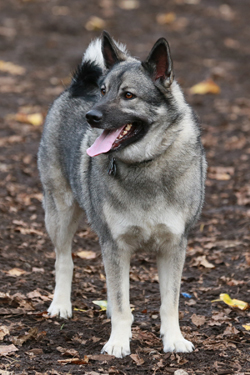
(147, 227)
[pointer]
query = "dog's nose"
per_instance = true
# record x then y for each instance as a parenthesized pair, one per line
(94, 117)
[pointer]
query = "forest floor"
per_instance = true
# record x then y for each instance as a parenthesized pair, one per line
(45, 40)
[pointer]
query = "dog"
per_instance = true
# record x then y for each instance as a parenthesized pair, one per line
(122, 144)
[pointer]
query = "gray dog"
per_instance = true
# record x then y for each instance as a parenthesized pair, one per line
(122, 144)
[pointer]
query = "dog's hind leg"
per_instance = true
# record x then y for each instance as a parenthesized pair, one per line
(62, 215)
(170, 263)
(117, 263)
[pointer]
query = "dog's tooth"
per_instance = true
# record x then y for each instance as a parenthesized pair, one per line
(125, 132)
(128, 127)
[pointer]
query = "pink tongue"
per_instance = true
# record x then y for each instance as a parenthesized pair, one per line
(104, 142)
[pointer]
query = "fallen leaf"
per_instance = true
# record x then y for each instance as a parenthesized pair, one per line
(7, 349)
(101, 357)
(198, 320)
(26, 231)
(180, 372)
(232, 302)
(4, 331)
(84, 254)
(220, 173)
(139, 361)
(76, 361)
(102, 304)
(23, 338)
(129, 4)
(64, 351)
(205, 87)
(34, 294)
(202, 261)
(35, 119)
(3, 372)
(34, 352)
(230, 330)
(166, 18)
(246, 326)
(39, 270)
(81, 310)
(95, 23)
(9, 67)
(16, 272)
(5, 141)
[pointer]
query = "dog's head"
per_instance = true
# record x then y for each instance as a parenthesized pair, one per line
(135, 101)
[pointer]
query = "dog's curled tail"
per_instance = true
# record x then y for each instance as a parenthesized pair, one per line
(87, 74)
(94, 52)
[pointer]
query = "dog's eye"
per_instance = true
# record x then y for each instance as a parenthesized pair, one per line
(103, 91)
(129, 95)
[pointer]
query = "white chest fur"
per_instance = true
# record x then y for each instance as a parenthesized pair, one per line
(136, 228)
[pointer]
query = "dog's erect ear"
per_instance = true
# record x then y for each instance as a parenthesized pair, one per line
(159, 63)
(111, 53)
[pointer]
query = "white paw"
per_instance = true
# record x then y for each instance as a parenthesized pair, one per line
(119, 348)
(178, 345)
(61, 309)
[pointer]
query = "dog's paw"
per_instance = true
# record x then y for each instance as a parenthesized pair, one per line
(60, 309)
(179, 345)
(119, 348)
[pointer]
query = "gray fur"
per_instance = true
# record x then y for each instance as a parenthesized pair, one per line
(150, 203)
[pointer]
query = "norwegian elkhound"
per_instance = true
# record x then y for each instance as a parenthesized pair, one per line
(122, 144)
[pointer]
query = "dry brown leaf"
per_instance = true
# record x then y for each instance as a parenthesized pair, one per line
(220, 173)
(5, 141)
(16, 272)
(230, 330)
(95, 23)
(198, 320)
(29, 231)
(129, 4)
(205, 87)
(202, 261)
(70, 352)
(243, 195)
(4, 331)
(139, 361)
(85, 254)
(9, 67)
(7, 349)
(101, 357)
(23, 338)
(34, 352)
(166, 18)
(76, 361)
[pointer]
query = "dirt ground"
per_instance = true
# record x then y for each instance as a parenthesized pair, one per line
(45, 40)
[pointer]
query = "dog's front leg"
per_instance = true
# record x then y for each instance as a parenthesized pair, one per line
(117, 263)
(170, 263)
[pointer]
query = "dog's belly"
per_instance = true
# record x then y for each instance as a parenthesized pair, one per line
(148, 230)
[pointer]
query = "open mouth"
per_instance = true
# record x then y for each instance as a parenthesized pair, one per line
(111, 140)
(128, 131)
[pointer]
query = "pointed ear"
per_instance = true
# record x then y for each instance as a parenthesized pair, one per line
(159, 63)
(111, 53)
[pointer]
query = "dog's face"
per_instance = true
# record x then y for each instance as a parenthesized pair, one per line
(133, 101)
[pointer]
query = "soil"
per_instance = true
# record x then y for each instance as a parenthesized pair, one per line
(209, 39)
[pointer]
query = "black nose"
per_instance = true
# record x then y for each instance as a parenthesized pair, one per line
(94, 117)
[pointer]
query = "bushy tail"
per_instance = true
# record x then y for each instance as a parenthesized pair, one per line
(87, 74)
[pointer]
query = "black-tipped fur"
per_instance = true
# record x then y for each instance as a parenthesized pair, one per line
(85, 78)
